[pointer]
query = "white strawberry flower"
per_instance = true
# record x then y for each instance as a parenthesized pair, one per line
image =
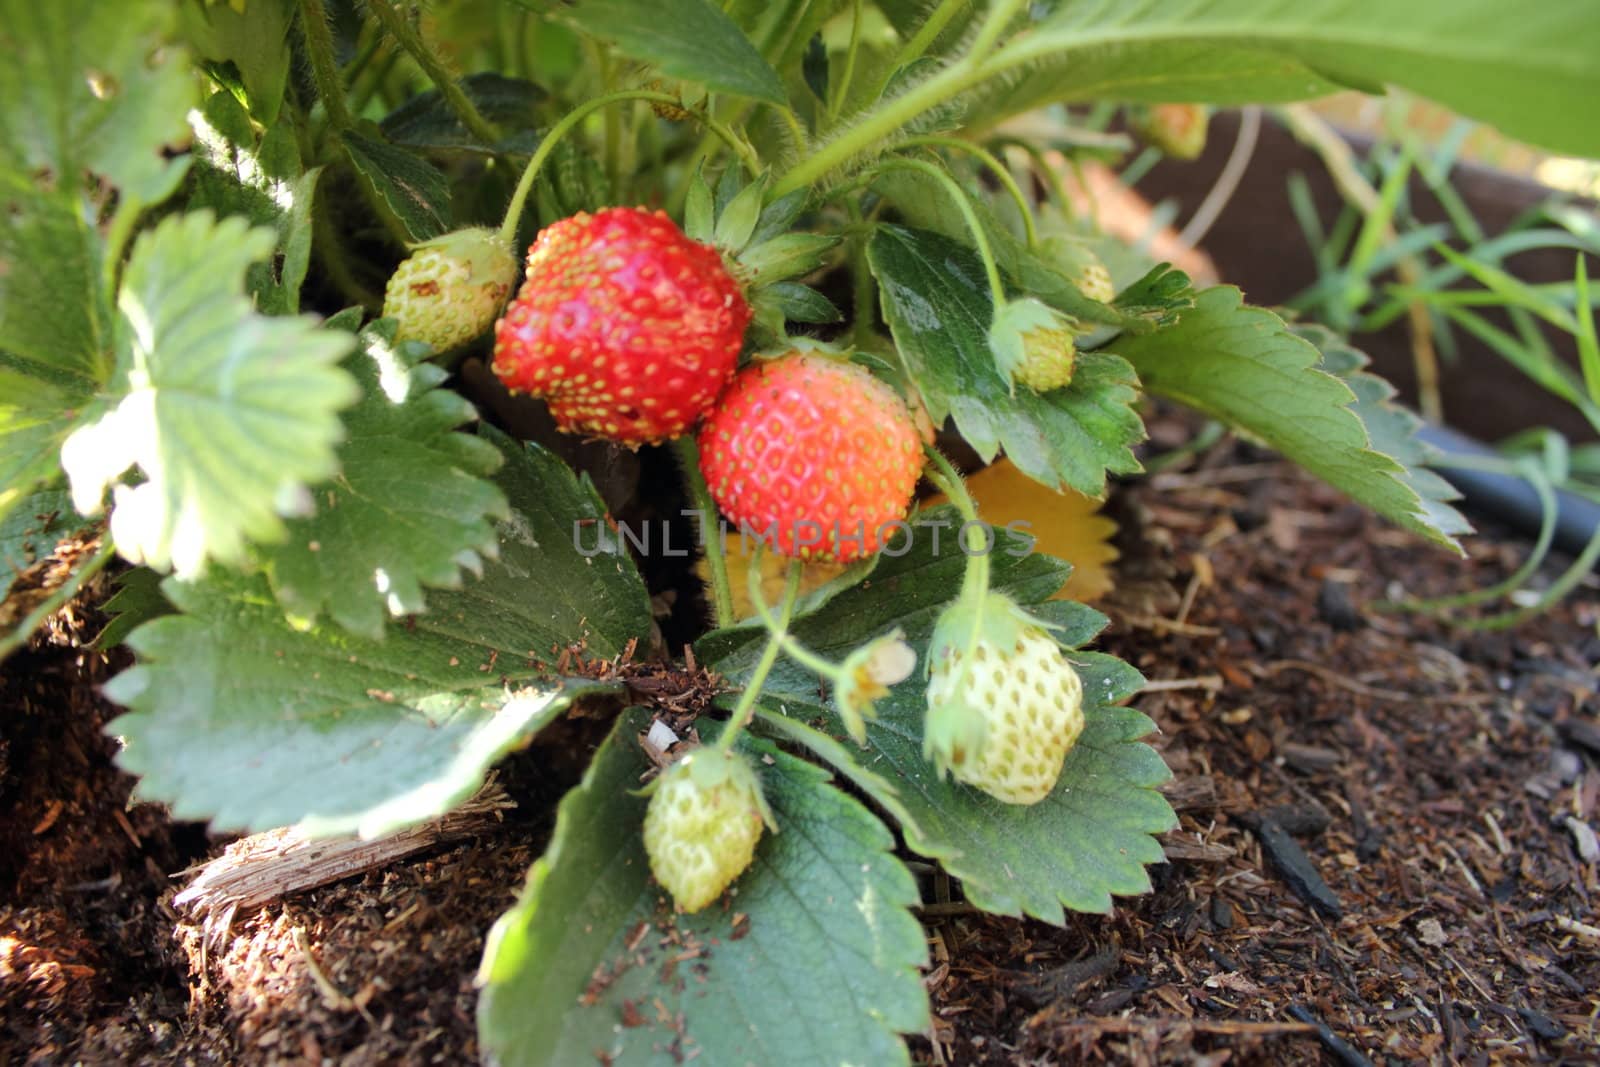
(865, 678)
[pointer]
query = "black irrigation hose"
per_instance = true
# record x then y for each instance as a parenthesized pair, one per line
(1511, 499)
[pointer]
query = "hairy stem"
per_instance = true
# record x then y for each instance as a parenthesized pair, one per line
(519, 198)
(324, 69)
(980, 238)
(975, 583)
(877, 125)
(400, 28)
(786, 641)
(1001, 172)
(838, 91)
(926, 34)
(1001, 12)
(863, 295)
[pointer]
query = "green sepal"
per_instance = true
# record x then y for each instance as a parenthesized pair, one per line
(789, 255)
(738, 220)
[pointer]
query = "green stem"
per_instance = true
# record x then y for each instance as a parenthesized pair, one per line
(802, 143)
(519, 198)
(612, 159)
(994, 24)
(975, 583)
(400, 28)
(926, 34)
(1529, 471)
(716, 561)
(1001, 172)
(878, 125)
(746, 707)
(980, 238)
(364, 88)
(368, 50)
(64, 592)
(863, 319)
(119, 231)
(1042, 167)
(324, 69)
(1580, 569)
(838, 91)
(786, 641)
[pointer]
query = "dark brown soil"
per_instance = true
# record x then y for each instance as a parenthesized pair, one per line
(1426, 771)
(1425, 775)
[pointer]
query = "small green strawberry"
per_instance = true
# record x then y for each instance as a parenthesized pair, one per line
(814, 455)
(1179, 130)
(703, 824)
(626, 327)
(1004, 705)
(1048, 359)
(1085, 270)
(1033, 344)
(451, 288)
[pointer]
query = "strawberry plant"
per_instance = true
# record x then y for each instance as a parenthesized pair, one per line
(254, 256)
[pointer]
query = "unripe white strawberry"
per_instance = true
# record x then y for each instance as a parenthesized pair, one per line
(451, 288)
(703, 824)
(1004, 705)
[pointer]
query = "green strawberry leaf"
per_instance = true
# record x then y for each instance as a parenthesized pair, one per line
(925, 204)
(261, 180)
(138, 599)
(1088, 840)
(409, 507)
(688, 39)
(794, 302)
(592, 963)
(237, 715)
(415, 192)
(1529, 71)
(1243, 366)
(86, 92)
(54, 352)
(787, 256)
(938, 307)
(31, 528)
(426, 121)
(1391, 427)
(228, 414)
(248, 50)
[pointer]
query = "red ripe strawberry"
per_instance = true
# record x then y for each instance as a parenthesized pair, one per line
(628, 328)
(813, 454)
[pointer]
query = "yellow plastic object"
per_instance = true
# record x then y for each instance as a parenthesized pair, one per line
(1068, 525)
